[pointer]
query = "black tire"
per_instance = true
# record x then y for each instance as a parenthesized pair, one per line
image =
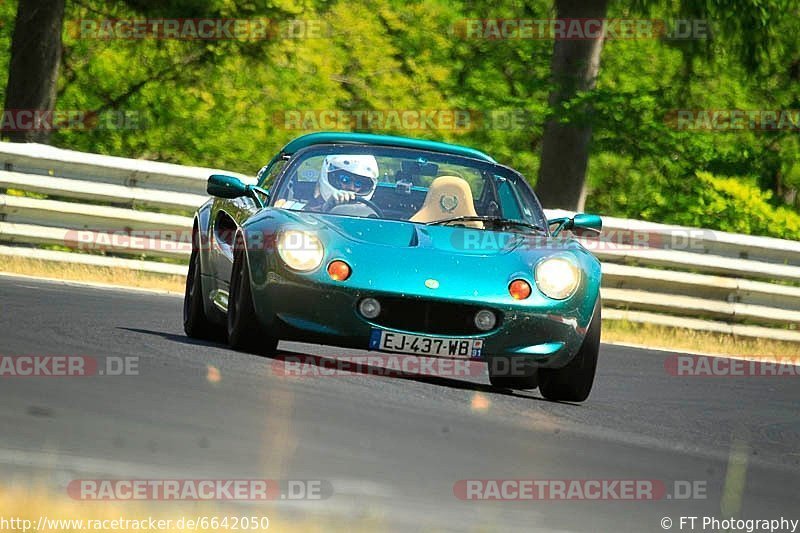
(573, 383)
(195, 322)
(245, 333)
(503, 375)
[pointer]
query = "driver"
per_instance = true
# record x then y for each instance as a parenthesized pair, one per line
(344, 178)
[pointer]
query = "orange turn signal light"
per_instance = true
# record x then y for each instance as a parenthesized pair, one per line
(339, 270)
(519, 289)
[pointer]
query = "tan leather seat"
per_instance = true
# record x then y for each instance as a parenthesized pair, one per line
(448, 197)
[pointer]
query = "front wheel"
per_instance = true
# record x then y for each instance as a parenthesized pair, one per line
(195, 322)
(245, 333)
(506, 373)
(573, 383)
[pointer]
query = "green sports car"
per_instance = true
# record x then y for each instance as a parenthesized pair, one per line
(398, 245)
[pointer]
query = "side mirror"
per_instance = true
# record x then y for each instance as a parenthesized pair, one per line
(587, 225)
(223, 186)
(582, 224)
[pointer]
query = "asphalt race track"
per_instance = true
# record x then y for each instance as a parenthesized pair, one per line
(392, 448)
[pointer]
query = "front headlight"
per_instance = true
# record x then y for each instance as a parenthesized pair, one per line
(300, 250)
(557, 277)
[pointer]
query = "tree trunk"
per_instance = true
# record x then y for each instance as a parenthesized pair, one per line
(565, 146)
(33, 69)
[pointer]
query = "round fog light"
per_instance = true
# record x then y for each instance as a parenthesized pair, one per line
(369, 308)
(485, 320)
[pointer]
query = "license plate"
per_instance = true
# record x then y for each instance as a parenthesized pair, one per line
(389, 341)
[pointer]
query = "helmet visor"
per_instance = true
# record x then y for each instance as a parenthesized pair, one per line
(347, 181)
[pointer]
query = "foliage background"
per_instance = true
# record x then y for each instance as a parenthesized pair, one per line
(213, 103)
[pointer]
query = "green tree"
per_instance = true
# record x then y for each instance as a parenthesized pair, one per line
(746, 29)
(565, 145)
(34, 65)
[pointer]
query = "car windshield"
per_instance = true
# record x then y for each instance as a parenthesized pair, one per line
(408, 185)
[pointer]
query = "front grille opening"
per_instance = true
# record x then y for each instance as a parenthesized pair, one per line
(430, 316)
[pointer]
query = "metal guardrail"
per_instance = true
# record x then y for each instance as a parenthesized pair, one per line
(653, 273)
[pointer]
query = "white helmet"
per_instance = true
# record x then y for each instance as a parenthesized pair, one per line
(358, 173)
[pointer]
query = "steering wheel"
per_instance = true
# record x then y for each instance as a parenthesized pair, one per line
(372, 205)
(329, 204)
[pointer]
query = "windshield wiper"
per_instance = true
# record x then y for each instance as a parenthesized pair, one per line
(494, 221)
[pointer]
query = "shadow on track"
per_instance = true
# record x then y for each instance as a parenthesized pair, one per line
(328, 362)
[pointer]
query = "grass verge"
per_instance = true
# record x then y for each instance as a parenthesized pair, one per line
(676, 339)
(76, 272)
(695, 341)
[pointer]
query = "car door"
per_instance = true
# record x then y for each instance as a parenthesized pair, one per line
(228, 215)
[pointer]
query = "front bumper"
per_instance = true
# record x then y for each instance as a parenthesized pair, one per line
(297, 308)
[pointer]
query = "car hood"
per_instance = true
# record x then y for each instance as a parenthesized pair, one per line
(405, 258)
(400, 234)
